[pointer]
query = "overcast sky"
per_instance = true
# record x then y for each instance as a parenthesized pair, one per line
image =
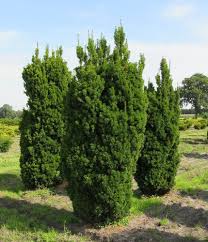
(175, 29)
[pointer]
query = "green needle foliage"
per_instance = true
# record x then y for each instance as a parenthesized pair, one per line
(42, 127)
(157, 165)
(106, 116)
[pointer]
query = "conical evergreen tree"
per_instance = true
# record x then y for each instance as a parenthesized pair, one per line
(42, 127)
(157, 166)
(106, 116)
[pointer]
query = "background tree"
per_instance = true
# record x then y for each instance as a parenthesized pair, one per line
(157, 165)
(106, 108)
(42, 126)
(194, 91)
(6, 111)
(18, 114)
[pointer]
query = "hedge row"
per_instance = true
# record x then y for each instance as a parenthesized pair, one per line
(8, 130)
(10, 121)
(199, 123)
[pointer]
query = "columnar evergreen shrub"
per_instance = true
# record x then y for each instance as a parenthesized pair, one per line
(106, 116)
(157, 165)
(42, 126)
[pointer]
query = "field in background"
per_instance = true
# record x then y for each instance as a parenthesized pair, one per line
(187, 115)
(47, 215)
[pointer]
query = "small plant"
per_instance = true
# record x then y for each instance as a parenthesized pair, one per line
(185, 123)
(183, 126)
(5, 144)
(164, 222)
(197, 126)
(200, 124)
(204, 115)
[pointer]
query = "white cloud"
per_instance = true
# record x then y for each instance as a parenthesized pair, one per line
(178, 10)
(185, 59)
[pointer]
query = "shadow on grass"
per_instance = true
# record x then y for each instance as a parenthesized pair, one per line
(195, 194)
(154, 235)
(25, 216)
(196, 155)
(11, 182)
(21, 215)
(196, 141)
(184, 215)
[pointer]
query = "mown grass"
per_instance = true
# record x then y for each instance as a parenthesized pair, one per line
(42, 215)
(47, 215)
(193, 141)
(194, 180)
(194, 150)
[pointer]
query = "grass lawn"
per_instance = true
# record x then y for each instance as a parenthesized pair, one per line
(47, 215)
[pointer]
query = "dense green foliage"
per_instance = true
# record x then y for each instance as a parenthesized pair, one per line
(200, 123)
(5, 143)
(204, 115)
(106, 116)
(42, 126)
(8, 130)
(10, 121)
(197, 123)
(157, 165)
(185, 123)
(194, 91)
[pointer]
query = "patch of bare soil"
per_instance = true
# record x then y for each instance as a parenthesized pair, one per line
(186, 217)
(187, 221)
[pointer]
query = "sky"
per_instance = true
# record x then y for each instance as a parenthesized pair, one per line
(174, 29)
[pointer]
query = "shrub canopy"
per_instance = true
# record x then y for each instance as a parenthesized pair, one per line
(42, 127)
(106, 116)
(157, 165)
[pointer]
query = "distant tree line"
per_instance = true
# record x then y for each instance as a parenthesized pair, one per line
(6, 111)
(187, 111)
